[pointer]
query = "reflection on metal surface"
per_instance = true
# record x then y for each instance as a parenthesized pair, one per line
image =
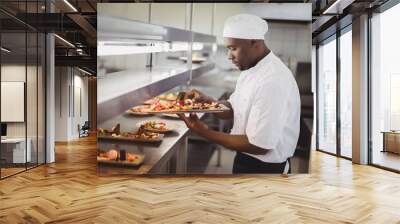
(106, 48)
(110, 107)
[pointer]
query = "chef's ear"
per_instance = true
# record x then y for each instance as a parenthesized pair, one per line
(256, 43)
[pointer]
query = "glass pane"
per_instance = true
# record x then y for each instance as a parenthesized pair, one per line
(345, 94)
(13, 87)
(386, 89)
(41, 99)
(31, 98)
(327, 97)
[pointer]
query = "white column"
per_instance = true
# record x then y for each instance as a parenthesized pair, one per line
(50, 92)
(360, 90)
(50, 99)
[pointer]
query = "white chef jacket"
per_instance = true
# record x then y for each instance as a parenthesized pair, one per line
(266, 108)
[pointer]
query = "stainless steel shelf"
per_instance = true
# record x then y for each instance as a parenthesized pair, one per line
(204, 38)
(119, 91)
(115, 28)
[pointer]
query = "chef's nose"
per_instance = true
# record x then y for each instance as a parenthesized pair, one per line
(230, 55)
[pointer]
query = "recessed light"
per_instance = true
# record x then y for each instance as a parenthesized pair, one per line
(5, 49)
(70, 5)
(86, 72)
(64, 40)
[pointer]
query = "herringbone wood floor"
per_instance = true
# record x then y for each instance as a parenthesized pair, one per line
(69, 191)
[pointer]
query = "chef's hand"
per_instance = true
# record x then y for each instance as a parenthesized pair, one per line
(193, 123)
(198, 97)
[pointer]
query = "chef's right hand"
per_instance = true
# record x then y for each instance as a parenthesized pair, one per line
(198, 97)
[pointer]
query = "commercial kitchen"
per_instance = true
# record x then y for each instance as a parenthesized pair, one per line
(139, 59)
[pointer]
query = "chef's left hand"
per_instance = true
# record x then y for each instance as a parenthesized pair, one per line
(193, 122)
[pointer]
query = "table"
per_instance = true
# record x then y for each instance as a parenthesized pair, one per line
(391, 141)
(13, 150)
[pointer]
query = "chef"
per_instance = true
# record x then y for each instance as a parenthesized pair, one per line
(265, 106)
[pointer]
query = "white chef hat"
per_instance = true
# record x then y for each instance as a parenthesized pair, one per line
(245, 26)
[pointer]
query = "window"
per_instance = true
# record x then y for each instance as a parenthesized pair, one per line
(385, 89)
(346, 94)
(327, 97)
(22, 77)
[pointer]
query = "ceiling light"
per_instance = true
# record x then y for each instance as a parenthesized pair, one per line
(64, 40)
(338, 6)
(70, 5)
(5, 49)
(326, 11)
(86, 72)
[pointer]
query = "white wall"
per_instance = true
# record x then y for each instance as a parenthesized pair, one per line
(161, 13)
(80, 114)
(202, 17)
(61, 103)
(290, 40)
(134, 11)
(169, 14)
(17, 73)
(68, 83)
(33, 127)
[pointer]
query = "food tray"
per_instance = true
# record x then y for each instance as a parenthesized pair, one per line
(126, 163)
(170, 127)
(222, 108)
(122, 138)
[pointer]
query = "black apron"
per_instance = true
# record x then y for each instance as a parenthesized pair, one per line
(244, 163)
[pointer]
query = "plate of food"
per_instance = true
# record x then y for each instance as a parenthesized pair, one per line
(139, 136)
(168, 96)
(194, 59)
(116, 129)
(162, 98)
(186, 106)
(157, 101)
(157, 126)
(120, 158)
(140, 110)
(151, 101)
